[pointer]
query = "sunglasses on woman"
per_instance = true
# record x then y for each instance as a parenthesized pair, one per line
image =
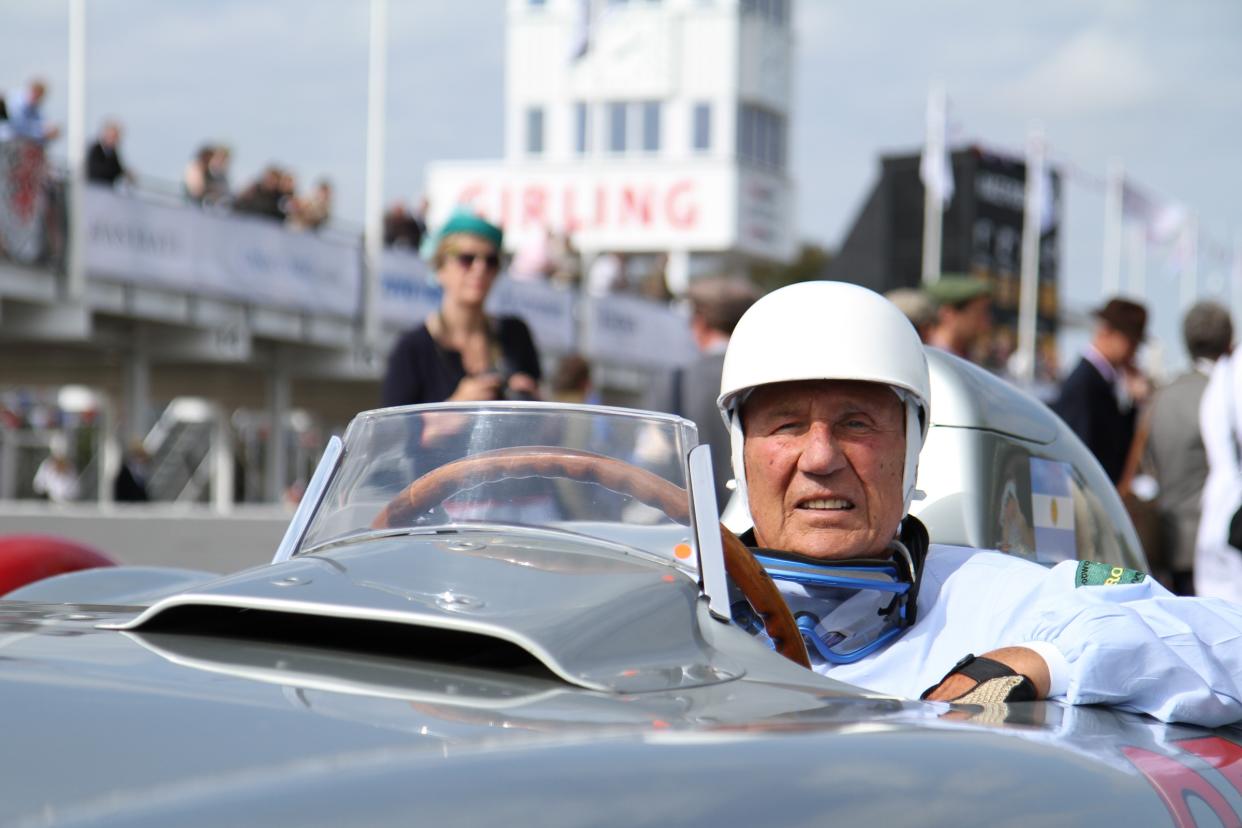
(467, 260)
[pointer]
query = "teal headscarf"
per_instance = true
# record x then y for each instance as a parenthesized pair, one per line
(463, 220)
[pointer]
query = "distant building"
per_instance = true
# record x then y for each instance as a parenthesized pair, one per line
(642, 127)
(982, 236)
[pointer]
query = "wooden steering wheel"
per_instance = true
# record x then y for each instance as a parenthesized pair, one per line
(648, 488)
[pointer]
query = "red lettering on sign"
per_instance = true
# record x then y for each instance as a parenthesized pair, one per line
(636, 205)
(571, 223)
(682, 211)
(506, 206)
(534, 199)
(469, 193)
(1175, 782)
(601, 205)
(1221, 754)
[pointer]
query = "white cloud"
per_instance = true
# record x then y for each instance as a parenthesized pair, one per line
(1092, 71)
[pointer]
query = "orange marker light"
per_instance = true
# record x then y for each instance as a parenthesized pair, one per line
(682, 551)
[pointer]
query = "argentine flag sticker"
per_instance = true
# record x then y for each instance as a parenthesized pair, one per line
(1052, 511)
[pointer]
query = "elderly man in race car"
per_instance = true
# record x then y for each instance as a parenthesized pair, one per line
(825, 390)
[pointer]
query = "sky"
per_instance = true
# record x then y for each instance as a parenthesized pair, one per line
(1151, 83)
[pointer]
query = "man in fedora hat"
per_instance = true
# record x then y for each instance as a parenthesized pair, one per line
(1099, 398)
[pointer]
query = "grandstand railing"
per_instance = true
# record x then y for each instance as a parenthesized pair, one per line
(150, 237)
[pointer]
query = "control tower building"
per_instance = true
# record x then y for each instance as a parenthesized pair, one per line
(642, 127)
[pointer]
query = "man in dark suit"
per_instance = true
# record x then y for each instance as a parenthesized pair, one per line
(1100, 396)
(716, 303)
(103, 159)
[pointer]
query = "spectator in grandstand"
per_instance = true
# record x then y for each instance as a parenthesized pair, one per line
(459, 353)
(103, 159)
(269, 196)
(206, 178)
(963, 315)
(403, 228)
(313, 212)
(26, 114)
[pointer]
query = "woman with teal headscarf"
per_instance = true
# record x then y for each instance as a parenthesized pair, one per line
(459, 353)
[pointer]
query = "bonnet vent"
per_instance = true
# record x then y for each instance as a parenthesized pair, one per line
(368, 636)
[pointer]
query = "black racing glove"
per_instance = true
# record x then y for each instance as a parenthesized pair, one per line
(996, 683)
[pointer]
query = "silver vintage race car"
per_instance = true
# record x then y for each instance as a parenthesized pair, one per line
(524, 613)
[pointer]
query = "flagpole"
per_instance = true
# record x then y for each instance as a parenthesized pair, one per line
(933, 203)
(1190, 279)
(1138, 262)
(373, 232)
(1028, 287)
(1113, 197)
(1235, 278)
(75, 150)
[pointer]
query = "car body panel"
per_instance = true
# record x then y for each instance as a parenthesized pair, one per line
(310, 736)
(976, 473)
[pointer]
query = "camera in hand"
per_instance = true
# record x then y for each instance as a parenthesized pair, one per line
(510, 395)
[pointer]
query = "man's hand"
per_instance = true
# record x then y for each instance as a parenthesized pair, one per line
(1021, 660)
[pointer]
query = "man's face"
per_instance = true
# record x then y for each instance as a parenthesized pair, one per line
(1115, 346)
(824, 463)
(973, 320)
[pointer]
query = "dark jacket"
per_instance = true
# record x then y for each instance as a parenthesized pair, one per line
(103, 165)
(421, 371)
(1089, 406)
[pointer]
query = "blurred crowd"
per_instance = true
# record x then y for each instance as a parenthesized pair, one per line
(1171, 448)
(272, 195)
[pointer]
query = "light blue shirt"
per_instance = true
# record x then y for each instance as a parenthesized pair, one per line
(25, 118)
(1132, 645)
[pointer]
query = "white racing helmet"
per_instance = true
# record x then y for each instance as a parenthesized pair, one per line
(824, 331)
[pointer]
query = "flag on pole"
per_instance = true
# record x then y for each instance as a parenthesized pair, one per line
(935, 167)
(1164, 220)
(580, 40)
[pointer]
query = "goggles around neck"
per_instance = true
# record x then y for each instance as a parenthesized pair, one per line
(847, 609)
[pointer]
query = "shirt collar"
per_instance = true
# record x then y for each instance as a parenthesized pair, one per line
(1106, 369)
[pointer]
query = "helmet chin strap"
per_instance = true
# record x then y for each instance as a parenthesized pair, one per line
(914, 445)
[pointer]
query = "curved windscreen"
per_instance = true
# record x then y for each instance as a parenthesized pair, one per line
(610, 474)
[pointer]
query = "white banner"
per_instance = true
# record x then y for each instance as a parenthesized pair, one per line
(248, 260)
(408, 289)
(548, 310)
(628, 331)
